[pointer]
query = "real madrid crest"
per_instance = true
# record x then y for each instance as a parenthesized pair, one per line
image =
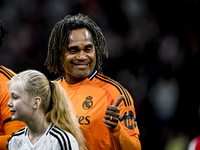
(88, 103)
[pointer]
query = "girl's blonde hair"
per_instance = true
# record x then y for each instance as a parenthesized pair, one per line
(55, 104)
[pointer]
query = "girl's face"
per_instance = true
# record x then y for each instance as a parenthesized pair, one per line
(21, 106)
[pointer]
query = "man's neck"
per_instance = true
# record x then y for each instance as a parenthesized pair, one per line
(73, 80)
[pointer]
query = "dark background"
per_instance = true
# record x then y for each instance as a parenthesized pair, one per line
(153, 51)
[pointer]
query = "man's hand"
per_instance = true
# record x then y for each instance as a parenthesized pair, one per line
(112, 114)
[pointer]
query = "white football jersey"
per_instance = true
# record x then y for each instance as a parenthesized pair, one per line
(53, 139)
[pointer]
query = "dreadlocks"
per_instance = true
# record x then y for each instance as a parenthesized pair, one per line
(2, 33)
(59, 39)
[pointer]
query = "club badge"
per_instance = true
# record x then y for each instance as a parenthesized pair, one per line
(88, 103)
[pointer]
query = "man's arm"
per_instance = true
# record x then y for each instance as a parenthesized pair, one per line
(124, 133)
(123, 140)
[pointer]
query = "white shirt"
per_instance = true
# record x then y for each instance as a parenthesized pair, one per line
(53, 139)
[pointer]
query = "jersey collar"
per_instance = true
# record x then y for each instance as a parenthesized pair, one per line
(90, 77)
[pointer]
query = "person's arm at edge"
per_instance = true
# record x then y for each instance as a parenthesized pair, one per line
(126, 142)
(4, 141)
(10, 127)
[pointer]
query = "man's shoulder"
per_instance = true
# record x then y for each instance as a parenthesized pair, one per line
(113, 87)
(104, 80)
(6, 73)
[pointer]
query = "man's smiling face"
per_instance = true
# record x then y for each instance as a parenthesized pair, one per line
(79, 60)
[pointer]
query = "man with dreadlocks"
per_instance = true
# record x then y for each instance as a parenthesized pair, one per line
(104, 109)
(7, 126)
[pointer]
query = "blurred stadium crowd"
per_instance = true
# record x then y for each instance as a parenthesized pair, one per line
(153, 51)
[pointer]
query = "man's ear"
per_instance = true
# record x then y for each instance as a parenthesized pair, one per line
(37, 102)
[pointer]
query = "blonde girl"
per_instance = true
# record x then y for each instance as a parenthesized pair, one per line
(44, 107)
